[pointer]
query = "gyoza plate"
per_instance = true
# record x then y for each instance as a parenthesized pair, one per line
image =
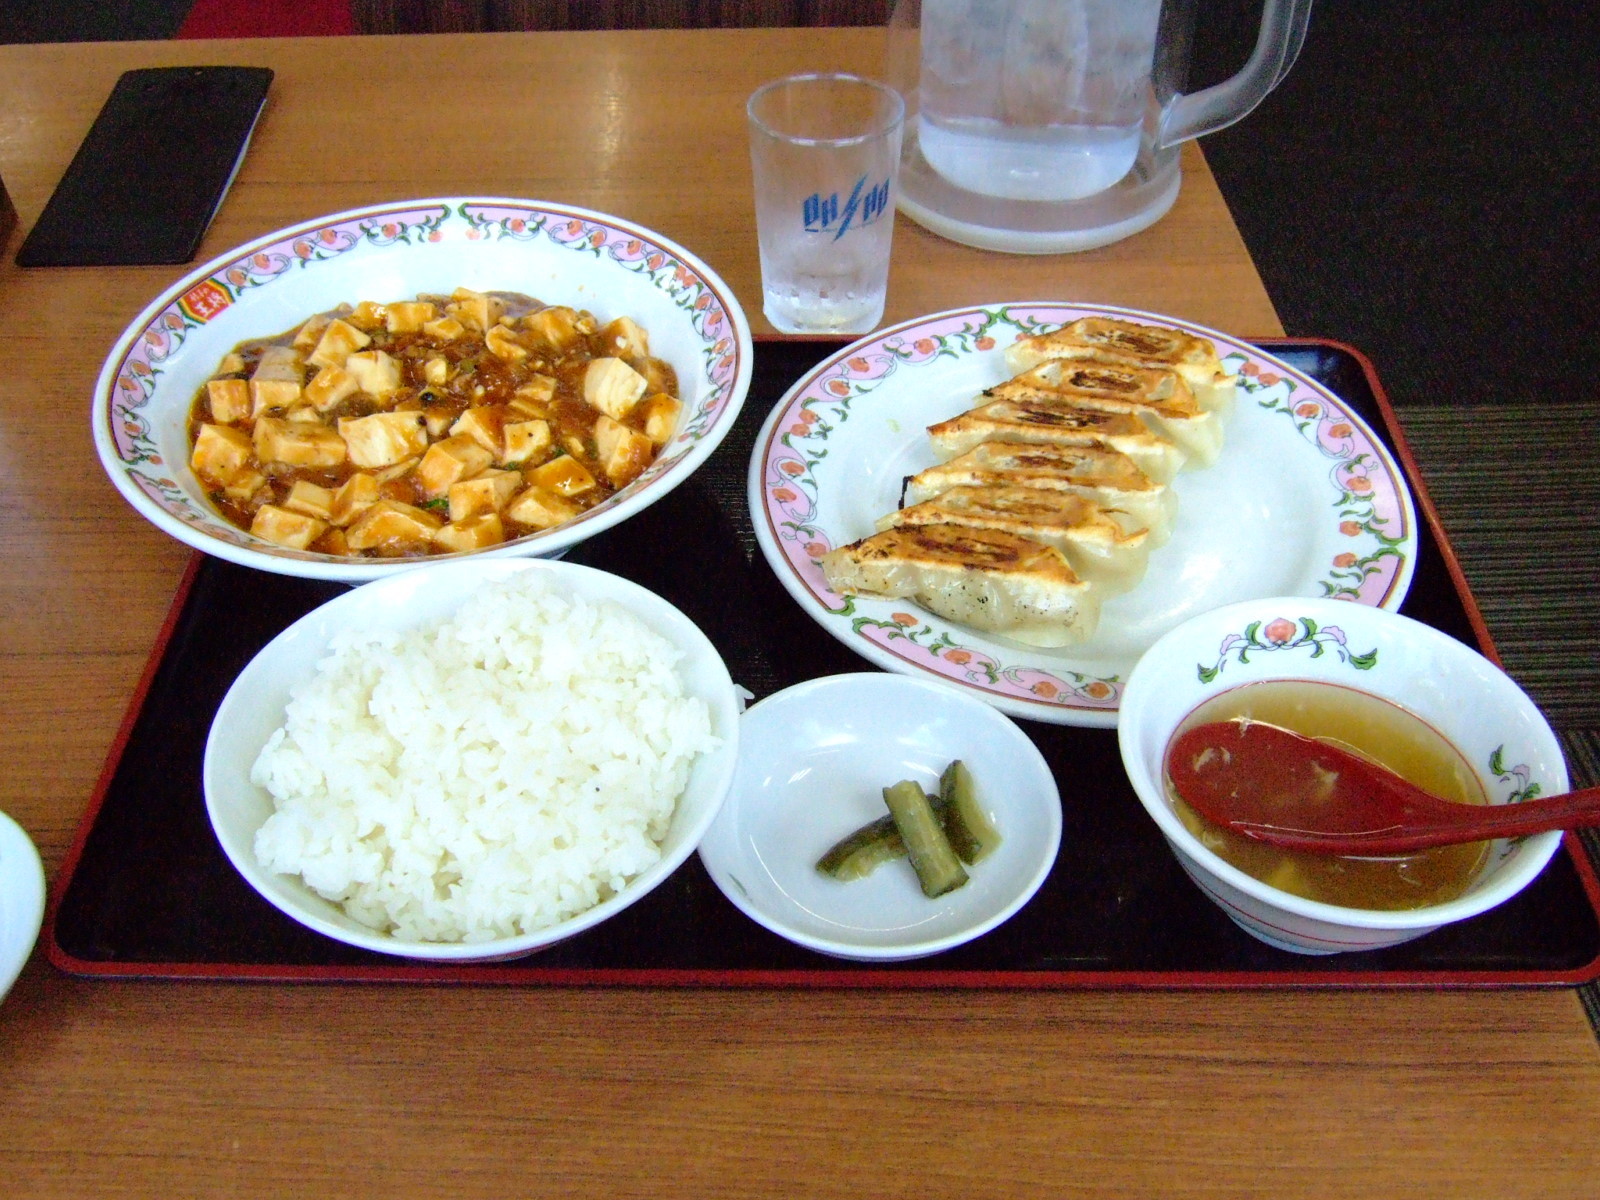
(1304, 501)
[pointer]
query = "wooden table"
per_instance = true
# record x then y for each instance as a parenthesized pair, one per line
(110, 1089)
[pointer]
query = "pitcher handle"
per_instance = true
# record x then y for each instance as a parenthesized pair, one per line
(1283, 32)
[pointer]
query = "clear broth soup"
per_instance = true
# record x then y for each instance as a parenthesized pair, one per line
(1381, 731)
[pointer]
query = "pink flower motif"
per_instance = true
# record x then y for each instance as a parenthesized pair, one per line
(155, 460)
(1359, 483)
(783, 495)
(390, 229)
(517, 224)
(1341, 430)
(633, 247)
(654, 261)
(1344, 560)
(702, 301)
(261, 262)
(573, 228)
(1045, 690)
(1349, 528)
(303, 249)
(816, 549)
(800, 429)
(984, 343)
(959, 657)
(435, 236)
(1267, 379)
(1307, 409)
(857, 364)
(791, 468)
(597, 237)
(1250, 369)
(809, 417)
(924, 345)
(904, 619)
(838, 387)
(1098, 690)
(329, 236)
(237, 277)
(1281, 631)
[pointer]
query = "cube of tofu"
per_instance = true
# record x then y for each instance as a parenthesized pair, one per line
(275, 383)
(446, 329)
(338, 342)
(285, 528)
(565, 476)
(503, 344)
(221, 452)
(296, 444)
(232, 364)
(383, 438)
(393, 527)
(450, 461)
(436, 370)
(437, 421)
(329, 386)
(475, 533)
(311, 499)
(625, 339)
(476, 310)
(539, 508)
(304, 414)
(355, 495)
(660, 413)
(307, 336)
(244, 486)
(489, 492)
(612, 386)
(374, 372)
(408, 316)
(485, 425)
(624, 453)
(557, 328)
(369, 315)
(533, 398)
(526, 441)
(229, 400)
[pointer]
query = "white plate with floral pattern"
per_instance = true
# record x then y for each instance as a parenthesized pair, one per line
(554, 252)
(1304, 500)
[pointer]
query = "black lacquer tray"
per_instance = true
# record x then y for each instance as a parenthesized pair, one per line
(147, 892)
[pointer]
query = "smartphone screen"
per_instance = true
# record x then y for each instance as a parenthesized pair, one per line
(152, 170)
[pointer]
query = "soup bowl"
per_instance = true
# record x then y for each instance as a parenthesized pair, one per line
(1497, 731)
(383, 253)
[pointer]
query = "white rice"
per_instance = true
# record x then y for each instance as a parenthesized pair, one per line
(486, 776)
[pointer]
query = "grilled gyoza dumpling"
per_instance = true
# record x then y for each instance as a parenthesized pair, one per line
(1159, 397)
(987, 579)
(1108, 477)
(1194, 358)
(1098, 546)
(1050, 424)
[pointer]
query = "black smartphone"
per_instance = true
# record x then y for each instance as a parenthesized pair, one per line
(152, 170)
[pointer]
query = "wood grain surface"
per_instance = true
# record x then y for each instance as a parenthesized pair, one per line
(160, 1089)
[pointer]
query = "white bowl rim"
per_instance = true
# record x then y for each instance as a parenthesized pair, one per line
(264, 557)
(807, 692)
(725, 716)
(1540, 848)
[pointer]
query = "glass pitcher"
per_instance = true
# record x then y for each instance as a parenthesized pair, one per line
(1047, 126)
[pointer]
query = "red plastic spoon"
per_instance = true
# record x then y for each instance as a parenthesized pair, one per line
(1298, 793)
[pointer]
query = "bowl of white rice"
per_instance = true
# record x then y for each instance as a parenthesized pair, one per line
(472, 760)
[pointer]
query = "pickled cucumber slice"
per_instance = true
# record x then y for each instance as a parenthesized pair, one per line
(938, 869)
(859, 854)
(972, 834)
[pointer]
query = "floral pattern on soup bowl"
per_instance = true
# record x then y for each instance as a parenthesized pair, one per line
(1452, 688)
(555, 253)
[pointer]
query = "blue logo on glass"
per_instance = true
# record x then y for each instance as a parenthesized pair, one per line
(824, 214)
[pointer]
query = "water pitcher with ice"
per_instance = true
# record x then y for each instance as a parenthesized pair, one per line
(1046, 126)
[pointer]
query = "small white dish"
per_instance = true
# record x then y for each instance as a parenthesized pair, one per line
(21, 900)
(1305, 500)
(813, 762)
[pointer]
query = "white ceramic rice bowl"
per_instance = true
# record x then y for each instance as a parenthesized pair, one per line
(254, 707)
(1456, 690)
(555, 253)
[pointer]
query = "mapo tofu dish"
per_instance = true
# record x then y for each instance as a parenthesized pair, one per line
(429, 426)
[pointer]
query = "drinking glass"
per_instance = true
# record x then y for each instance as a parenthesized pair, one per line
(824, 152)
